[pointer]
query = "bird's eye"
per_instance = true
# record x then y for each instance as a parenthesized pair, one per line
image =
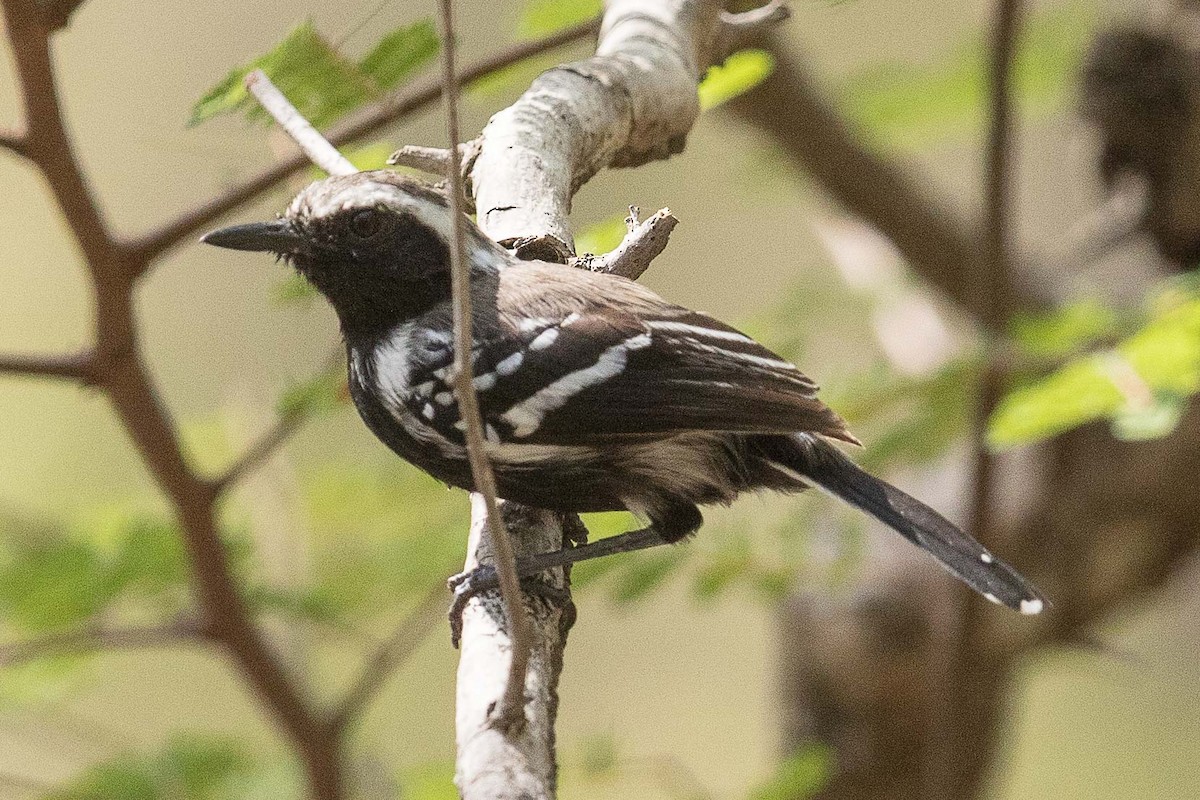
(366, 223)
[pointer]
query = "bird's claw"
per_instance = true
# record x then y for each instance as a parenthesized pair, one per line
(466, 585)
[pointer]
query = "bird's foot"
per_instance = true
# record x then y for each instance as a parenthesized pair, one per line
(467, 585)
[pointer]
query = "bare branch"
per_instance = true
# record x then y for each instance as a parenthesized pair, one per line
(314, 146)
(396, 106)
(738, 29)
(433, 160)
(643, 77)
(124, 378)
(57, 13)
(92, 639)
(643, 242)
(258, 452)
(11, 140)
(390, 656)
(78, 367)
(510, 711)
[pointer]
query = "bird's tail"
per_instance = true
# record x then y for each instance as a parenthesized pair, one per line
(812, 460)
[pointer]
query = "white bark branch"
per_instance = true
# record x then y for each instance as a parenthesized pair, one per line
(633, 102)
(315, 146)
(641, 245)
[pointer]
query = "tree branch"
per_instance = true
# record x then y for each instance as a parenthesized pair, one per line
(633, 102)
(396, 106)
(100, 638)
(77, 367)
(11, 140)
(388, 657)
(57, 13)
(123, 377)
(312, 144)
(509, 713)
(643, 243)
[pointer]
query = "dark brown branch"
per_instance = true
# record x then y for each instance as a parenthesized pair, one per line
(400, 104)
(123, 377)
(940, 242)
(510, 710)
(388, 657)
(57, 13)
(77, 367)
(9, 140)
(93, 639)
(968, 734)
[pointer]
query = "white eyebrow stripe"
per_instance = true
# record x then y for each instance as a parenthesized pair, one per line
(697, 330)
(525, 417)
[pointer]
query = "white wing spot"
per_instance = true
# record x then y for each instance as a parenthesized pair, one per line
(986, 558)
(427, 411)
(444, 398)
(490, 433)
(484, 382)
(511, 364)
(544, 339)
(991, 597)
(1032, 607)
(526, 416)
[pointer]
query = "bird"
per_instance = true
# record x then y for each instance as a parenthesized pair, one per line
(596, 394)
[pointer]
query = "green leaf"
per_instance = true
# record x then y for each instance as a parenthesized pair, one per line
(315, 78)
(191, 767)
(1161, 361)
(601, 237)
(721, 571)
(1061, 332)
(401, 53)
(802, 775)
(543, 17)
(740, 73)
(54, 585)
(320, 394)
(1150, 422)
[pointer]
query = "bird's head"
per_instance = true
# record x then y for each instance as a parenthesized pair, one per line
(375, 244)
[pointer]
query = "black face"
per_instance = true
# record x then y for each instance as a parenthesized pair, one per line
(376, 265)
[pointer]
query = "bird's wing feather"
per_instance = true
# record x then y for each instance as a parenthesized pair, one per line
(576, 368)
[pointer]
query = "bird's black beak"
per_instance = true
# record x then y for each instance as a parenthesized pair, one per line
(277, 236)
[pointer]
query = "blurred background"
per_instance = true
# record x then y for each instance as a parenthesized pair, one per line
(680, 675)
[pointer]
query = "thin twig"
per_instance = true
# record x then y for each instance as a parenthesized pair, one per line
(396, 106)
(262, 449)
(643, 242)
(510, 711)
(389, 656)
(312, 144)
(77, 367)
(10, 140)
(91, 639)
(274, 437)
